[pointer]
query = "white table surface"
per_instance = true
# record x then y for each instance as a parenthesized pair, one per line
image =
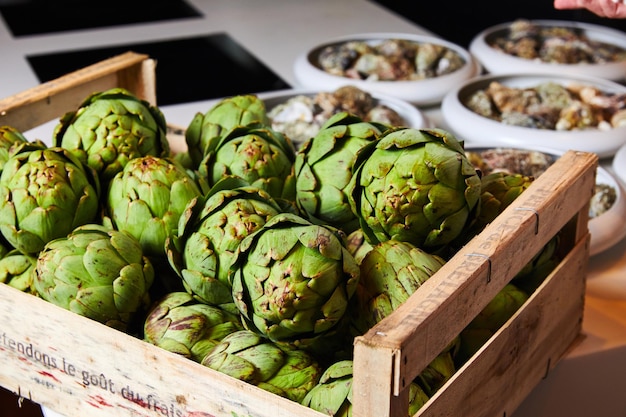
(587, 381)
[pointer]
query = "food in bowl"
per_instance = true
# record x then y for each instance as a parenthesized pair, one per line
(533, 163)
(550, 105)
(554, 43)
(526, 162)
(301, 116)
(602, 200)
(389, 64)
(389, 60)
(552, 47)
(476, 128)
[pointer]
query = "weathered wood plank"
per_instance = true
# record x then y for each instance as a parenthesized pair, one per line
(50, 100)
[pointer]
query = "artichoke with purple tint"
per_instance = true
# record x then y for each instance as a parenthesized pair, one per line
(208, 236)
(292, 280)
(98, 273)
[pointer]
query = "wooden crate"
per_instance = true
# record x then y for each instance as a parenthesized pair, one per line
(77, 366)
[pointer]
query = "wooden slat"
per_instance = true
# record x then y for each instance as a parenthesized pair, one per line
(521, 353)
(50, 100)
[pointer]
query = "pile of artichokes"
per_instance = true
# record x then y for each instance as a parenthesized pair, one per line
(244, 254)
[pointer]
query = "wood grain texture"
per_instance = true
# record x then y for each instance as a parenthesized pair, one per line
(50, 100)
(79, 367)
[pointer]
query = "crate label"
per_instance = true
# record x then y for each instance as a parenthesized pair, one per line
(59, 372)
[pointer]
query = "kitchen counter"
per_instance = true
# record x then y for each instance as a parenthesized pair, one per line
(252, 40)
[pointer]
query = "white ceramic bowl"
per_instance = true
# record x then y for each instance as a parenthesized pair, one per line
(498, 62)
(619, 164)
(428, 91)
(607, 229)
(473, 128)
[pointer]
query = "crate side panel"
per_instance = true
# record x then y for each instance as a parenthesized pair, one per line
(35, 113)
(373, 374)
(140, 79)
(432, 317)
(50, 100)
(498, 378)
(68, 363)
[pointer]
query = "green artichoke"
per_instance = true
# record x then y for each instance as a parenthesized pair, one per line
(539, 267)
(209, 233)
(249, 357)
(180, 324)
(390, 273)
(17, 270)
(96, 272)
(333, 394)
(498, 191)
(323, 169)
(489, 320)
(110, 128)
(292, 280)
(9, 136)
(227, 114)
(500, 309)
(9, 139)
(256, 153)
(438, 371)
(147, 198)
(357, 245)
(414, 185)
(44, 195)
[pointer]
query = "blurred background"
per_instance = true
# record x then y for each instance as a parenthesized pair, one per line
(456, 20)
(460, 20)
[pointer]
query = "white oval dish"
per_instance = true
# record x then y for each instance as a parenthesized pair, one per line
(607, 229)
(498, 62)
(411, 115)
(420, 92)
(472, 127)
(618, 164)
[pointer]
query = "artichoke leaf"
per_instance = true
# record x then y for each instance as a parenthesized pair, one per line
(266, 358)
(95, 302)
(231, 365)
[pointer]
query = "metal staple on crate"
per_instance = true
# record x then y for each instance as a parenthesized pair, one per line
(20, 397)
(547, 368)
(487, 257)
(536, 216)
(481, 255)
